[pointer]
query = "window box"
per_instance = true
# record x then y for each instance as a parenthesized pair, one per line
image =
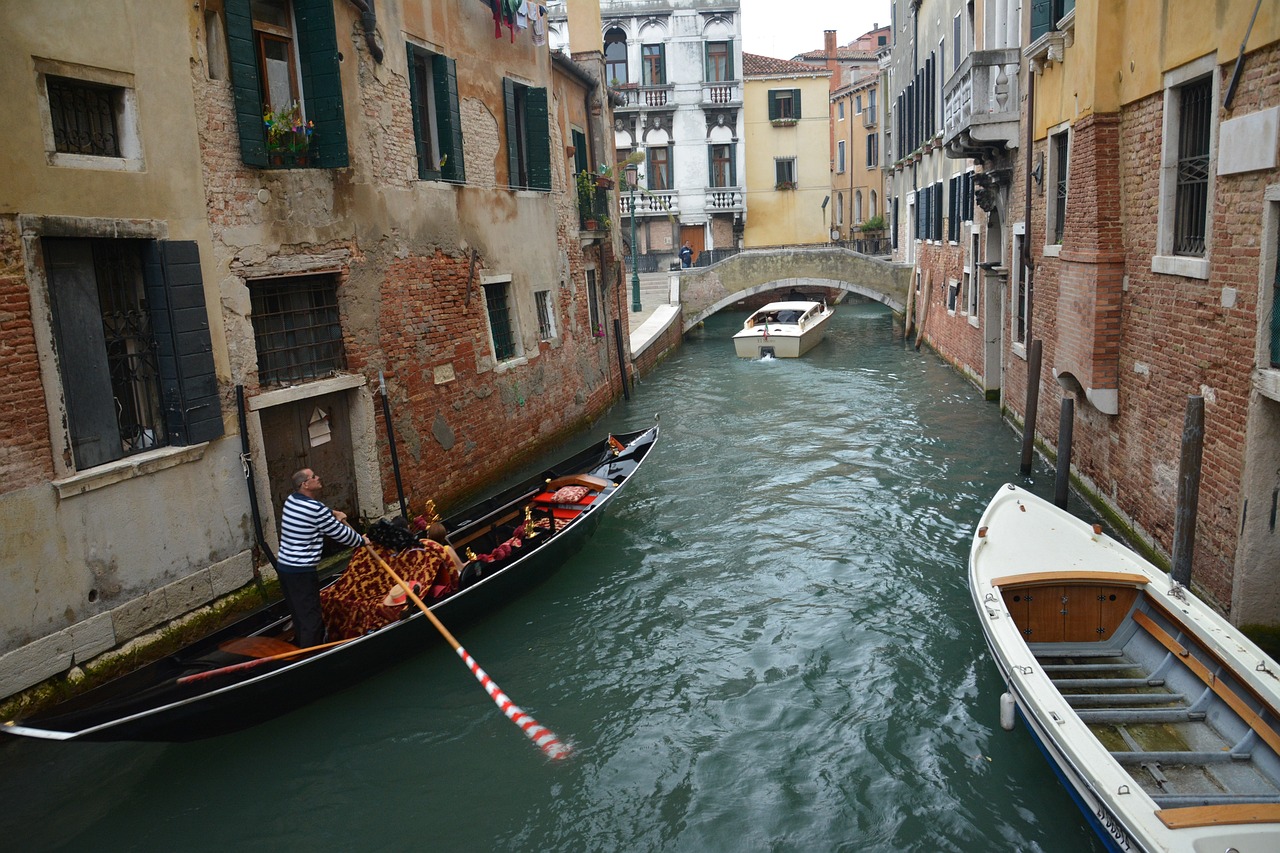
(784, 122)
(785, 185)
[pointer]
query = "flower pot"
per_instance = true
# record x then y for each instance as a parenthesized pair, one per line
(592, 225)
(604, 183)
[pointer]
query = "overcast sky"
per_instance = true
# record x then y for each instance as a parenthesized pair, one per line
(783, 28)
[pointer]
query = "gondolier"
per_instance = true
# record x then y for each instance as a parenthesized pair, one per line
(304, 523)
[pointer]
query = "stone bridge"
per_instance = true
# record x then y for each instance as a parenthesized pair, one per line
(704, 291)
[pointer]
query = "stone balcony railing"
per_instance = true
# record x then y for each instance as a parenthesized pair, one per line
(638, 97)
(649, 202)
(722, 94)
(980, 105)
(724, 199)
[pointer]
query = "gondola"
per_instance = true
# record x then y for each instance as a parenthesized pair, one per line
(204, 690)
(1160, 717)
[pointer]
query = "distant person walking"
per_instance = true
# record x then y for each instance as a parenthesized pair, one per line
(304, 524)
(686, 255)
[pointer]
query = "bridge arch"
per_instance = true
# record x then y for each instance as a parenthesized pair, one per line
(705, 291)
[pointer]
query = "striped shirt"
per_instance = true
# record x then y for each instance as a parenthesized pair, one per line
(303, 525)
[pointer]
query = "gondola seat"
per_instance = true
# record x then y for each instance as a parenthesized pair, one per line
(353, 605)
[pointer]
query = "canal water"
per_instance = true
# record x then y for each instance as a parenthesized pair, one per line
(768, 646)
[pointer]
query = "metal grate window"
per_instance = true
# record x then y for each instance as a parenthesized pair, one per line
(1060, 156)
(546, 315)
(1191, 205)
(495, 298)
(296, 327)
(84, 117)
(131, 348)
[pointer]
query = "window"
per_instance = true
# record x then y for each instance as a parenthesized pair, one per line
(784, 105)
(296, 328)
(133, 347)
(840, 156)
(84, 117)
(1021, 283)
(840, 208)
(953, 295)
(1191, 205)
(873, 151)
(528, 137)
(1186, 173)
(857, 105)
(874, 208)
(857, 206)
(1045, 15)
(546, 315)
(956, 44)
(784, 173)
(615, 57)
(1059, 156)
(719, 59)
(497, 301)
(840, 110)
(437, 122)
(653, 64)
(284, 52)
(659, 171)
(593, 305)
(723, 168)
(971, 277)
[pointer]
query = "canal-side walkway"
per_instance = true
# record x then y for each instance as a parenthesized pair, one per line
(659, 308)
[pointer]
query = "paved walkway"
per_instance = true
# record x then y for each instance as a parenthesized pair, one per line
(656, 310)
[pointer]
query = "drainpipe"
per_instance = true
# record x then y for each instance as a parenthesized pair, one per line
(369, 21)
(247, 463)
(1026, 228)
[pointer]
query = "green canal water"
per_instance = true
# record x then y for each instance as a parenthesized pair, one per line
(768, 646)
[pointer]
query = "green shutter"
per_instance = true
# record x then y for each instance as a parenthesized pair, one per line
(243, 60)
(795, 104)
(581, 160)
(416, 100)
(711, 165)
(773, 105)
(513, 146)
(321, 81)
(706, 61)
(538, 142)
(449, 118)
(180, 324)
(728, 61)
(733, 164)
(1041, 18)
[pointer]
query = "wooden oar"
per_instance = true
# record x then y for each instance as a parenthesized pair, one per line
(249, 664)
(257, 647)
(543, 737)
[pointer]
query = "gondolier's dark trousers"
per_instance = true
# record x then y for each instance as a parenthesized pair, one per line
(302, 593)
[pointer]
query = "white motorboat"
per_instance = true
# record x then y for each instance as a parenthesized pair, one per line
(783, 330)
(1158, 715)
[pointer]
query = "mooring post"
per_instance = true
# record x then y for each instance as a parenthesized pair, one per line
(1033, 405)
(1066, 422)
(1184, 526)
(622, 363)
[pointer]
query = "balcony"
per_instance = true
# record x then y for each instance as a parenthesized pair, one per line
(636, 97)
(724, 199)
(869, 116)
(722, 94)
(649, 202)
(980, 105)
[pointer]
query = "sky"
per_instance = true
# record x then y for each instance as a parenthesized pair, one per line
(784, 28)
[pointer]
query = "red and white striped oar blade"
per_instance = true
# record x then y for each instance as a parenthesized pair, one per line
(543, 737)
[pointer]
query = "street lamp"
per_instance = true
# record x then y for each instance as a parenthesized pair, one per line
(633, 173)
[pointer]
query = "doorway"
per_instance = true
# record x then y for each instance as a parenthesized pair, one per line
(695, 236)
(313, 433)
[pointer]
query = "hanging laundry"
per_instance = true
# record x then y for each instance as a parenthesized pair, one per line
(539, 25)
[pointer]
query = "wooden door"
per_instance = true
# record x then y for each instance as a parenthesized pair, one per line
(695, 236)
(292, 442)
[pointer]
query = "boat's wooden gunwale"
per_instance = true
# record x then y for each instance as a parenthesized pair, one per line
(1243, 813)
(1069, 577)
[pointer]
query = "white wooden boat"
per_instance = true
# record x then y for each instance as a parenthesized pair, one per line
(1157, 714)
(783, 330)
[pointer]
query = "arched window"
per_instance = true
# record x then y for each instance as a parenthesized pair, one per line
(615, 56)
(840, 208)
(857, 206)
(873, 205)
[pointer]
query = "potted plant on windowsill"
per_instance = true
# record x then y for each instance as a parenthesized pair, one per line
(288, 135)
(785, 185)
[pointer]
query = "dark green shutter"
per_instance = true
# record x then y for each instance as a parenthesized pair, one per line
(444, 71)
(728, 61)
(321, 81)
(795, 104)
(513, 145)
(538, 139)
(733, 164)
(581, 158)
(180, 325)
(1041, 18)
(417, 98)
(711, 165)
(243, 60)
(706, 61)
(773, 105)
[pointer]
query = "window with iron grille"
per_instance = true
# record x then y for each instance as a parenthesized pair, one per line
(85, 117)
(1191, 204)
(1061, 155)
(546, 315)
(784, 169)
(296, 328)
(593, 305)
(497, 301)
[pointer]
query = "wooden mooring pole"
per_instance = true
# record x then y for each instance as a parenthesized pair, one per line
(1184, 526)
(1066, 423)
(622, 359)
(1033, 405)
